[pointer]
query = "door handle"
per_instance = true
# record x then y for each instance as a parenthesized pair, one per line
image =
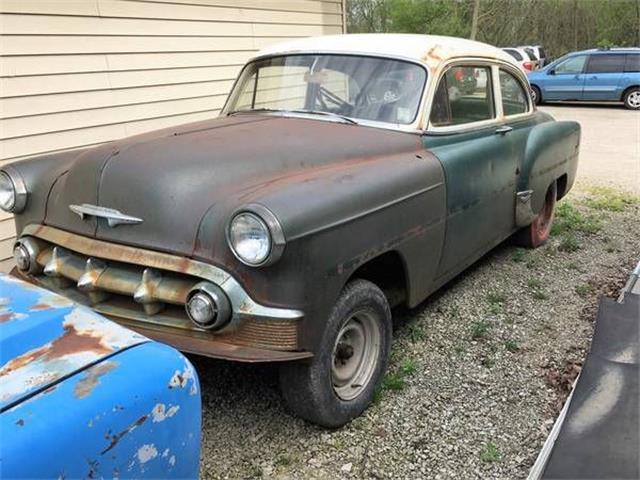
(503, 130)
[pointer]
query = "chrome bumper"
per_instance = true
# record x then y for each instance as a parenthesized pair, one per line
(147, 290)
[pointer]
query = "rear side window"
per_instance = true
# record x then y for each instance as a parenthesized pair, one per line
(464, 95)
(603, 63)
(531, 54)
(514, 98)
(542, 53)
(633, 63)
(515, 54)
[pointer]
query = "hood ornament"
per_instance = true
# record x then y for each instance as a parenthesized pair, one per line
(114, 217)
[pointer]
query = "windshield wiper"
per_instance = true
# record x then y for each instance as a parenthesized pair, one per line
(254, 110)
(329, 114)
(304, 111)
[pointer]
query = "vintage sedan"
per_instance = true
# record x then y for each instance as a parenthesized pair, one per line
(344, 176)
(83, 397)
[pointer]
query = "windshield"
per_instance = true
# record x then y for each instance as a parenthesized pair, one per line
(352, 87)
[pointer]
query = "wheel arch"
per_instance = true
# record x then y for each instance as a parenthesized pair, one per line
(389, 272)
(626, 90)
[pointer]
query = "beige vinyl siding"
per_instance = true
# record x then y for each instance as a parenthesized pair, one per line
(75, 73)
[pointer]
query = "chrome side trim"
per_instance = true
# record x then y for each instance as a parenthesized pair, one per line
(114, 217)
(243, 305)
(524, 213)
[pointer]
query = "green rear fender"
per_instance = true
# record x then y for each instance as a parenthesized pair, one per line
(551, 152)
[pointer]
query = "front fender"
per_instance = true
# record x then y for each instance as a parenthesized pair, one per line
(39, 174)
(551, 152)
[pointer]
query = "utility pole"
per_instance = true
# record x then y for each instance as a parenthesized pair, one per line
(474, 21)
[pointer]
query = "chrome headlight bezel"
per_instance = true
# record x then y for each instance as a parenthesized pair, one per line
(273, 228)
(19, 190)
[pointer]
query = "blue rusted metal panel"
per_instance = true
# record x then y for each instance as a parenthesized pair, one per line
(106, 404)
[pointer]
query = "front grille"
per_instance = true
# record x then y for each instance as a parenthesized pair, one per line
(143, 293)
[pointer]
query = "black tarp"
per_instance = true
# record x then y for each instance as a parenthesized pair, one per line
(599, 437)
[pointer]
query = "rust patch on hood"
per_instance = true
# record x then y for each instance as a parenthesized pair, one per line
(91, 379)
(69, 343)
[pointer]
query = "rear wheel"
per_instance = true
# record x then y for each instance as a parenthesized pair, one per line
(536, 96)
(538, 232)
(339, 382)
(632, 98)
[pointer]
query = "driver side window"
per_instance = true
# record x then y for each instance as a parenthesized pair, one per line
(571, 66)
(464, 95)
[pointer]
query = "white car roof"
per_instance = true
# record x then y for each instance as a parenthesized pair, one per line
(428, 49)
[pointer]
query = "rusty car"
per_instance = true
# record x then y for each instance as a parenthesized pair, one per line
(344, 176)
(83, 397)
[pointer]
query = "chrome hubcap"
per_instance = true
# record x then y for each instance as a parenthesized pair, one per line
(634, 99)
(355, 355)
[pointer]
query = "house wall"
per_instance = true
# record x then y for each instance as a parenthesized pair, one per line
(75, 73)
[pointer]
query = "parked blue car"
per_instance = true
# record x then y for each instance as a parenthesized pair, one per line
(611, 75)
(82, 397)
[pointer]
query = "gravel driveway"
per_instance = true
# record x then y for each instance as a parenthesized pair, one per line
(478, 371)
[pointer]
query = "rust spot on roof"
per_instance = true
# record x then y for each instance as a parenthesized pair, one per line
(91, 379)
(20, 423)
(5, 317)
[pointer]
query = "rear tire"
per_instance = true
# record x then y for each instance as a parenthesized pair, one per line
(632, 99)
(536, 96)
(339, 382)
(538, 232)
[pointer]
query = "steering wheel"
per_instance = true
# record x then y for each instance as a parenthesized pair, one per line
(384, 91)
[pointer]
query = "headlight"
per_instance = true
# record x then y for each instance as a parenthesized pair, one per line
(255, 236)
(13, 193)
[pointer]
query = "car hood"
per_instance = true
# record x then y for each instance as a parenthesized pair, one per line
(45, 338)
(171, 178)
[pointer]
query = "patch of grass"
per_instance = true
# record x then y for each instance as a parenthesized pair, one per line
(610, 200)
(584, 289)
(479, 330)
(283, 460)
(569, 219)
(537, 291)
(512, 346)
(495, 297)
(569, 243)
(534, 283)
(519, 255)
(574, 266)
(459, 350)
(496, 302)
(409, 367)
(539, 295)
(394, 382)
(416, 333)
(490, 454)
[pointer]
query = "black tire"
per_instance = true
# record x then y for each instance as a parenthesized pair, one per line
(632, 98)
(308, 388)
(536, 95)
(537, 233)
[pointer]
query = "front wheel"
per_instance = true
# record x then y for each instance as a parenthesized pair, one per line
(338, 384)
(632, 99)
(538, 232)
